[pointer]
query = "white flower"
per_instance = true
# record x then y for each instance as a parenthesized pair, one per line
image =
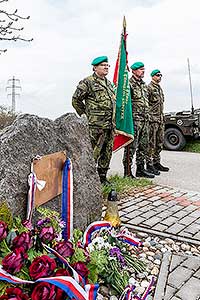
(90, 247)
(131, 281)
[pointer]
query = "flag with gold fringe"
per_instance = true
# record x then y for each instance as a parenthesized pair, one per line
(124, 119)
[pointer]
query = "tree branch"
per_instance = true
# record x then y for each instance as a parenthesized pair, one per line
(8, 28)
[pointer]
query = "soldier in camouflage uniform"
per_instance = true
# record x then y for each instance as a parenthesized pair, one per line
(156, 124)
(140, 108)
(95, 97)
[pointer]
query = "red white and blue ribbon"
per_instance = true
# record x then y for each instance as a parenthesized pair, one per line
(5, 276)
(130, 294)
(71, 287)
(31, 195)
(128, 238)
(67, 200)
(68, 284)
(76, 276)
(33, 183)
(87, 237)
(148, 289)
(125, 237)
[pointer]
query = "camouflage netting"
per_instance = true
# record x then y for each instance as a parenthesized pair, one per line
(30, 135)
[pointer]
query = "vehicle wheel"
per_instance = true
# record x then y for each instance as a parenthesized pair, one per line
(174, 139)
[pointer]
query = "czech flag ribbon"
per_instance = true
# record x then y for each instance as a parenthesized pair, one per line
(31, 195)
(129, 292)
(127, 238)
(87, 237)
(68, 284)
(67, 200)
(76, 276)
(5, 276)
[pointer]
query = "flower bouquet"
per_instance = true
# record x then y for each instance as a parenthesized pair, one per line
(37, 263)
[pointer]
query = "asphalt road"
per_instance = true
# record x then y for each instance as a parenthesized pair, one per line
(184, 169)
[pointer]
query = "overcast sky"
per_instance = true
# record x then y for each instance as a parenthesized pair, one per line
(68, 34)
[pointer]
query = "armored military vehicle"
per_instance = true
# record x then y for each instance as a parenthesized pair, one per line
(179, 126)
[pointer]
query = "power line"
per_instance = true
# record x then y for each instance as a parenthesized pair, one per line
(14, 85)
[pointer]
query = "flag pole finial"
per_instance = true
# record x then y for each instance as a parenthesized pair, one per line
(124, 22)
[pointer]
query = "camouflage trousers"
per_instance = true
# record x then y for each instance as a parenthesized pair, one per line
(156, 139)
(139, 145)
(102, 144)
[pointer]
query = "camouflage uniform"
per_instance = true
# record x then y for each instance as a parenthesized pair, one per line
(139, 96)
(95, 97)
(156, 131)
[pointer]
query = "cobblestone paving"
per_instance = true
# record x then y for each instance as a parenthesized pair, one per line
(179, 278)
(164, 211)
(174, 213)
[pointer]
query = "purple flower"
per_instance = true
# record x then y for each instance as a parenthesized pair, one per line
(42, 222)
(3, 230)
(22, 240)
(27, 224)
(65, 248)
(14, 261)
(115, 251)
(47, 234)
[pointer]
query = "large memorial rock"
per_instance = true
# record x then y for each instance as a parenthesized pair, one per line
(30, 136)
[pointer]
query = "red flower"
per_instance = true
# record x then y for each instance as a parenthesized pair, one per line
(3, 230)
(81, 269)
(47, 234)
(60, 294)
(43, 291)
(22, 240)
(65, 248)
(42, 266)
(62, 272)
(14, 261)
(14, 294)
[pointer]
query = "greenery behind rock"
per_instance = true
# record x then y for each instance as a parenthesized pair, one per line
(6, 117)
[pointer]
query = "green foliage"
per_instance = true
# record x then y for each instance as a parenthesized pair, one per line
(5, 214)
(115, 276)
(6, 117)
(121, 184)
(79, 255)
(193, 146)
(17, 223)
(133, 262)
(3, 287)
(54, 217)
(97, 264)
(77, 235)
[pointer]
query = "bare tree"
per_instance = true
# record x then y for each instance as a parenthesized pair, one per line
(9, 29)
(6, 116)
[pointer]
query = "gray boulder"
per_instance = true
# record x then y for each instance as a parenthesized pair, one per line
(31, 135)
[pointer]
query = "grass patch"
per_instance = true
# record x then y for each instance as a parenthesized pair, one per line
(121, 184)
(192, 146)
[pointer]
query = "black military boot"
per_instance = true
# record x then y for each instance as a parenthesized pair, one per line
(160, 167)
(151, 169)
(141, 172)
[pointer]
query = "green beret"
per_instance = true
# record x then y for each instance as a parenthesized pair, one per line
(137, 65)
(99, 60)
(154, 72)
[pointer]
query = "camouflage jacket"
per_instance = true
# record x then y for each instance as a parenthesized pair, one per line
(95, 97)
(156, 101)
(139, 96)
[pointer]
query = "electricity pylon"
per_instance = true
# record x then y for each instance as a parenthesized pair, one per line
(14, 85)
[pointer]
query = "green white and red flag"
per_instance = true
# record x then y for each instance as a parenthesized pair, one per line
(124, 118)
